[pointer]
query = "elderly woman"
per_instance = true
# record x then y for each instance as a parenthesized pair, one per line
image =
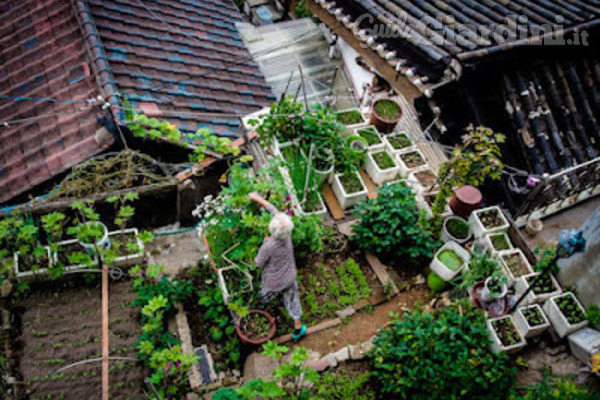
(276, 258)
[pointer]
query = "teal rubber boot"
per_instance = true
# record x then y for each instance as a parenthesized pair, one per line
(299, 335)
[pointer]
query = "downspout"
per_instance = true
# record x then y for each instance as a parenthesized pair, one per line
(100, 66)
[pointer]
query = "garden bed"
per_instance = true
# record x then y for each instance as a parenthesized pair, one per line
(63, 326)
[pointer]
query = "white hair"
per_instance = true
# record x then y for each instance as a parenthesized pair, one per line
(281, 226)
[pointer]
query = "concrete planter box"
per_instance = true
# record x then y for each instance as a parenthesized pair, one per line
(348, 200)
(442, 269)
(376, 173)
(523, 325)
(514, 253)
(424, 205)
(584, 343)
(497, 345)
(349, 129)
(521, 285)
(33, 273)
(416, 180)
(447, 236)
(488, 243)
(372, 130)
(321, 211)
(390, 140)
(559, 321)
(128, 260)
(478, 228)
(405, 170)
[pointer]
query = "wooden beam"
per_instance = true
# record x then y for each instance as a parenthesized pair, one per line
(398, 81)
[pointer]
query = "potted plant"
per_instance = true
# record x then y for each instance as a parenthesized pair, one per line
(566, 314)
(280, 124)
(380, 166)
(349, 188)
(487, 220)
(385, 115)
(350, 118)
(410, 161)
(254, 327)
(37, 260)
(324, 163)
(497, 242)
(515, 264)
(543, 289)
(494, 287)
(399, 141)
(449, 260)
(370, 134)
(423, 180)
(456, 229)
(505, 336)
(357, 144)
(425, 202)
(531, 321)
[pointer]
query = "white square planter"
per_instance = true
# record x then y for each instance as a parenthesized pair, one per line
(405, 170)
(488, 243)
(523, 283)
(497, 345)
(321, 211)
(389, 139)
(424, 205)
(415, 180)
(514, 253)
(441, 269)
(347, 200)
(30, 274)
(373, 131)
(131, 259)
(349, 129)
(584, 343)
(558, 320)
(479, 229)
(523, 325)
(376, 173)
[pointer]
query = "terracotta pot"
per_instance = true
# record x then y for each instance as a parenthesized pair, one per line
(384, 125)
(466, 199)
(272, 329)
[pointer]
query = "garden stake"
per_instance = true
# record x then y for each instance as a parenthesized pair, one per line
(569, 243)
(105, 368)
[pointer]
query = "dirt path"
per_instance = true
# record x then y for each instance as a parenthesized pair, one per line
(363, 325)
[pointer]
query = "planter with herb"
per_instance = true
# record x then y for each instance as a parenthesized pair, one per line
(449, 260)
(33, 263)
(488, 220)
(411, 161)
(349, 189)
(399, 141)
(423, 180)
(351, 119)
(505, 336)
(456, 229)
(254, 326)
(531, 321)
(497, 242)
(542, 291)
(302, 185)
(381, 167)
(425, 202)
(128, 248)
(373, 138)
(495, 287)
(566, 314)
(385, 115)
(324, 163)
(515, 263)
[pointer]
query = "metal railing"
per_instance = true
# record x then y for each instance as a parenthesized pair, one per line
(561, 190)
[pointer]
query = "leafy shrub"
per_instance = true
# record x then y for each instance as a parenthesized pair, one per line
(341, 387)
(444, 355)
(388, 226)
(481, 267)
(557, 388)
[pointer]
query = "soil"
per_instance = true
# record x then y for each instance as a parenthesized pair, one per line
(533, 315)
(570, 309)
(349, 117)
(500, 242)
(387, 109)
(426, 178)
(490, 218)
(351, 183)
(506, 331)
(516, 264)
(383, 160)
(370, 135)
(62, 326)
(412, 160)
(399, 142)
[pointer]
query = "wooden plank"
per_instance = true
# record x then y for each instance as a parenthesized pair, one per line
(381, 272)
(334, 206)
(371, 188)
(313, 329)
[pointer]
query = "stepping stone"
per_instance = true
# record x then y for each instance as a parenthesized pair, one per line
(258, 365)
(345, 228)
(346, 312)
(205, 365)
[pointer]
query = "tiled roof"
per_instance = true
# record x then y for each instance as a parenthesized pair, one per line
(431, 46)
(182, 57)
(42, 55)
